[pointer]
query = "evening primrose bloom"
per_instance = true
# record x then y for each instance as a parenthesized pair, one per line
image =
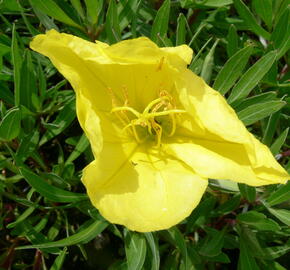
(157, 131)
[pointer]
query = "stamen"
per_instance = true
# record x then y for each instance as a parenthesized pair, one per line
(161, 106)
(125, 108)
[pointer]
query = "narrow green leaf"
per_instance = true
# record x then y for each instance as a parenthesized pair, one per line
(81, 146)
(264, 9)
(160, 24)
(276, 252)
(262, 98)
(213, 244)
(129, 14)
(252, 77)
(135, 247)
(246, 260)
(50, 8)
(259, 111)
(179, 241)
(57, 265)
(93, 7)
(258, 220)
(17, 63)
(282, 194)
(48, 191)
(281, 33)
(228, 206)
(248, 192)
(281, 214)
(10, 124)
(112, 23)
(276, 146)
(271, 128)
(201, 211)
(35, 237)
(250, 19)
(78, 7)
(208, 63)
(181, 30)
(62, 121)
(27, 145)
(83, 236)
(232, 70)
(22, 217)
(28, 87)
(155, 262)
(43, 18)
(232, 41)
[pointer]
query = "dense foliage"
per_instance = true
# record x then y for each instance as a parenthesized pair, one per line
(46, 220)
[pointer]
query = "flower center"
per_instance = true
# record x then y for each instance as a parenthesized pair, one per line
(157, 119)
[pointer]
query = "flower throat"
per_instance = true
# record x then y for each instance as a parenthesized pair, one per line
(158, 118)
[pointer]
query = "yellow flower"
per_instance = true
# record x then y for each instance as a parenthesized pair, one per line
(157, 130)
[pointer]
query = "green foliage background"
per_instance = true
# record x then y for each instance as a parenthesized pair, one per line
(47, 222)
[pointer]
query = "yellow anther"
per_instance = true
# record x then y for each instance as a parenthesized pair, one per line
(159, 107)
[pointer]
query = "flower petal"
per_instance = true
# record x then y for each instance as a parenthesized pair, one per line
(148, 193)
(225, 161)
(143, 50)
(222, 147)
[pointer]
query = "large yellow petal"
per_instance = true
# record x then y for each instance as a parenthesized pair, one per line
(217, 135)
(143, 50)
(225, 161)
(148, 192)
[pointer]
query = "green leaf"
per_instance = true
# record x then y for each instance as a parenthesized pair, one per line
(57, 265)
(208, 64)
(232, 41)
(81, 146)
(129, 15)
(232, 70)
(258, 220)
(213, 244)
(28, 83)
(62, 121)
(27, 146)
(252, 77)
(246, 260)
(48, 191)
(181, 30)
(201, 211)
(227, 207)
(271, 128)
(155, 261)
(94, 8)
(35, 237)
(259, 111)
(22, 217)
(179, 241)
(17, 63)
(85, 235)
(10, 124)
(160, 24)
(78, 7)
(50, 8)
(112, 23)
(262, 98)
(135, 247)
(276, 252)
(264, 9)
(276, 146)
(250, 19)
(282, 194)
(281, 214)
(281, 34)
(248, 192)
